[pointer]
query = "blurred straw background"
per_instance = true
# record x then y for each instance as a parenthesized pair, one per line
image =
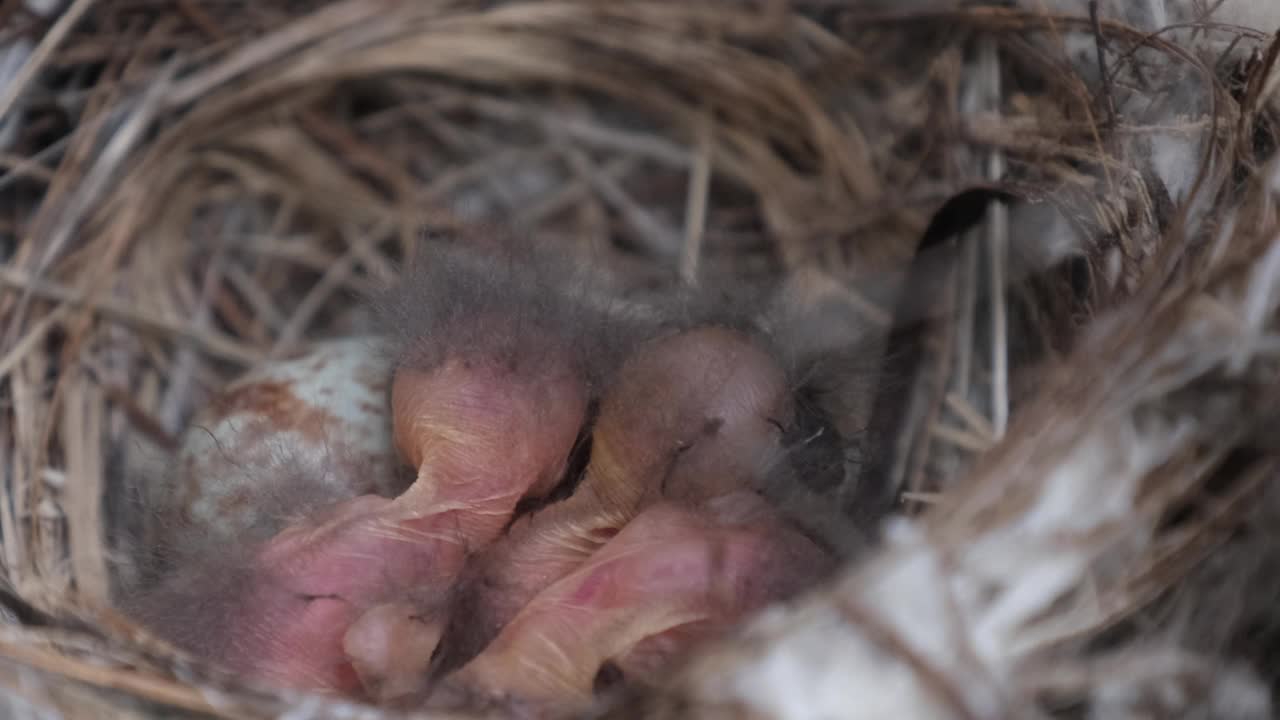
(1083, 459)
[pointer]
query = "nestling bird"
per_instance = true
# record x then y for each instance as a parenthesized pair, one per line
(520, 495)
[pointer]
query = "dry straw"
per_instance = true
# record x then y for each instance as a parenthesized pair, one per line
(191, 188)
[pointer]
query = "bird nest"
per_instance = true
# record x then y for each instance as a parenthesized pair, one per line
(1073, 442)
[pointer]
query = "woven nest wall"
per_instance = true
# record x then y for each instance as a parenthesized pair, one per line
(1077, 460)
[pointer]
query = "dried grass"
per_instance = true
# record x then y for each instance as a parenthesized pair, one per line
(192, 188)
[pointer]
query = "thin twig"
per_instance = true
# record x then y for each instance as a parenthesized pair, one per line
(997, 243)
(696, 202)
(30, 339)
(1099, 46)
(40, 55)
(212, 342)
(963, 439)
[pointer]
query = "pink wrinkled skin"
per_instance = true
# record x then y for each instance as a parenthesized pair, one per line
(660, 547)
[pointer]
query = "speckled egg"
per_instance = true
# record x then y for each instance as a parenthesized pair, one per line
(285, 439)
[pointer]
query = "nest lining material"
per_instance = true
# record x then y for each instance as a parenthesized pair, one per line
(1084, 465)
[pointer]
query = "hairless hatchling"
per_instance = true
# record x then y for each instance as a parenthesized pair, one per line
(518, 495)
